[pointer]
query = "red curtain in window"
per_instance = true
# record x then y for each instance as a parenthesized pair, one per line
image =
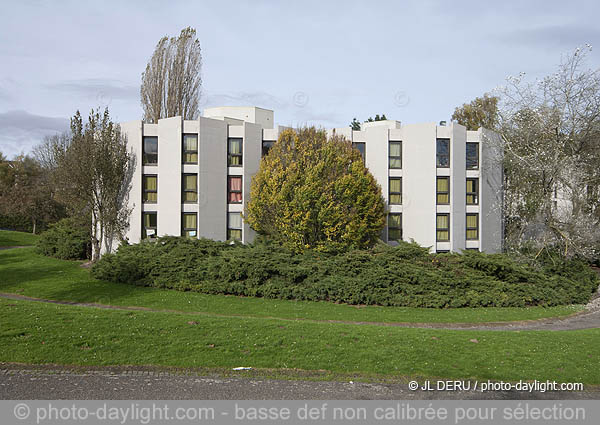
(235, 190)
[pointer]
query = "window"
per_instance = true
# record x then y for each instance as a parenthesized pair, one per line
(472, 156)
(150, 188)
(361, 147)
(190, 149)
(394, 227)
(234, 195)
(443, 153)
(443, 190)
(189, 225)
(149, 225)
(472, 191)
(234, 153)
(189, 187)
(395, 189)
(395, 155)
(472, 227)
(266, 147)
(150, 156)
(234, 226)
(443, 227)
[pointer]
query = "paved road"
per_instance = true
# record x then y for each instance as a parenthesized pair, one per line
(26, 383)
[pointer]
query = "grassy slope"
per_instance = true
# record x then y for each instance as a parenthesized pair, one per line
(10, 238)
(42, 333)
(24, 272)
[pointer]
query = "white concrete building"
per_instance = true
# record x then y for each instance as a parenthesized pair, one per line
(442, 183)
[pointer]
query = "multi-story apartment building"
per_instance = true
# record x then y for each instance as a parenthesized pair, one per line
(443, 184)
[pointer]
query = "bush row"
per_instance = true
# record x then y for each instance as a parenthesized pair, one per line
(405, 275)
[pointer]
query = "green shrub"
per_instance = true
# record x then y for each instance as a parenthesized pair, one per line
(65, 240)
(405, 275)
(19, 223)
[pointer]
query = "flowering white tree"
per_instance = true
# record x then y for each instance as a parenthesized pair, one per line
(550, 130)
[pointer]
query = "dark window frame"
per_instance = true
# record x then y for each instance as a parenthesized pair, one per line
(475, 194)
(467, 228)
(438, 229)
(395, 228)
(390, 193)
(476, 167)
(441, 192)
(232, 155)
(363, 152)
(184, 151)
(145, 155)
(145, 229)
(390, 157)
(229, 228)
(146, 190)
(184, 190)
(184, 229)
(439, 155)
(266, 148)
(229, 191)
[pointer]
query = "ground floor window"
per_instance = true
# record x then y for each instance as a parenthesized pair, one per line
(472, 227)
(395, 227)
(443, 227)
(189, 225)
(149, 225)
(234, 226)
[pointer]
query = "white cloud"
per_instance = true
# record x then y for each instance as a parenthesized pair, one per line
(20, 131)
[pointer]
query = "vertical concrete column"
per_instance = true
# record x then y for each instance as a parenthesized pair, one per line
(251, 161)
(133, 130)
(169, 176)
(419, 181)
(212, 179)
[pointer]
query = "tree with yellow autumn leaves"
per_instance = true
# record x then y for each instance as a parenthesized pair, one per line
(314, 192)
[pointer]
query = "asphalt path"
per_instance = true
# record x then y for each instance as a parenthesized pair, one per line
(18, 382)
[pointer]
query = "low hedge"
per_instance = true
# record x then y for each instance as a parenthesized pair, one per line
(405, 275)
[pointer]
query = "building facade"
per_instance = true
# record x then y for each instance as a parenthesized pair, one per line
(442, 184)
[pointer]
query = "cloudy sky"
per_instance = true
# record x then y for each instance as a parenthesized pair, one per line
(321, 62)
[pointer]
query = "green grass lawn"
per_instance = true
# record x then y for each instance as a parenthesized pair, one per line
(39, 333)
(10, 238)
(24, 272)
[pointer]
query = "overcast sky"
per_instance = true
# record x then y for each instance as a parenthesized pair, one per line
(321, 62)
